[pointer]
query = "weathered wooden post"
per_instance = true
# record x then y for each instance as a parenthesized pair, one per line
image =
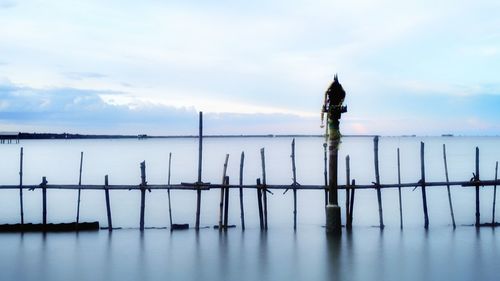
(222, 190)
(43, 185)
(199, 182)
(422, 182)
(259, 204)
(242, 212)
(168, 190)
(494, 196)
(325, 172)
(332, 106)
(294, 185)
(226, 201)
(399, 194)
(79, 190)
(264, 187)
(143, 194)
(377, 183)
(347, 192)
(448, 187)
(21, 185)
(108, 206)
(476, 178)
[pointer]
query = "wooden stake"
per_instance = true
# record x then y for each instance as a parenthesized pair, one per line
(351, 207)
(494, 195)
(43, 185)
(448, 187)
(79, 189)
(168, 190)
(226, 201)
(377, 179)
(108, 207)
(264, 189)
(399, 193)
(222, 189)
(422, 181)
(347, 192)
(259, 204)
(200, 154)
(478, 214)
(325, 173)
(143, 194)
(294, 173)
(21, 186)
(242, 161)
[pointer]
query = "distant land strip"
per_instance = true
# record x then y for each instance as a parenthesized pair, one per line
(28, 136)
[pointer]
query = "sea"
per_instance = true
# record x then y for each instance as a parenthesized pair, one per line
(280, 253)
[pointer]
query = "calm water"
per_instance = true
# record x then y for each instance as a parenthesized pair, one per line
(279, 254)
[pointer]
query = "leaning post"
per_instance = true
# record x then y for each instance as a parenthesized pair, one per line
(332, 106)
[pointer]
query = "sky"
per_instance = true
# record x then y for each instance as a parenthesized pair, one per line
(253, 67)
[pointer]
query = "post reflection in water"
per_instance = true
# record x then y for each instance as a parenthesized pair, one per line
(278, 254)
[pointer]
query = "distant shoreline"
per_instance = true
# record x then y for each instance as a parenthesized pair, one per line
(41, 136)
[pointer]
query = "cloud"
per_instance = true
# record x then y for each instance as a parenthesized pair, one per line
(83, 75)
(5, 4)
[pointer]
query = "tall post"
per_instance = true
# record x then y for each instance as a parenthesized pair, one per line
(79, 190)
(377, 182)
(198, 191)
(334, 97)
(448, 187)
(21, 185)
(347, 191)
(242, 212)
(325, 172)
(43, 185)
(143, 194)
(108, 207)
(168, 190)
(494, 195)
(422, 181)
(478, 214)
(264, 186)
(294, 174)
(222, 190)
(399, 194)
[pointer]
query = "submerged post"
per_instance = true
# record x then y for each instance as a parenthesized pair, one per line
(21, 185)
(294, 174)
(422, 182)
(200, 153)
(226, 202)
(79, 190)
(325, 172)
(43, 185)
(476, 178)
(332, 106)
(448, 187)
(377, 183)
(347, 192)
(222, 190)
(108, 207)
(494, 195)
(143, 194)
(264, 187)
(259, 204)
(168, 190)
(399, 193)
(242, 161)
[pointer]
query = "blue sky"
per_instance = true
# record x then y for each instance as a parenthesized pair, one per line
(408, 67)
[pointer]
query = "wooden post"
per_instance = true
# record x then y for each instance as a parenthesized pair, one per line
(264, 189)
(399, 193)
(108, 207)
(351, 207)
(21, 186)
(422, 181)
(377, 181)
(325, 172)
(222, 190)
(494, 196)
(200, 154)
(448, 187)
(478, 214)
(143, 194)
(226, 201)
(294, 173)
(79, 190)
(259, 204)
(347, 191)
(43, 185)
(168, 190)
(242, 161)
